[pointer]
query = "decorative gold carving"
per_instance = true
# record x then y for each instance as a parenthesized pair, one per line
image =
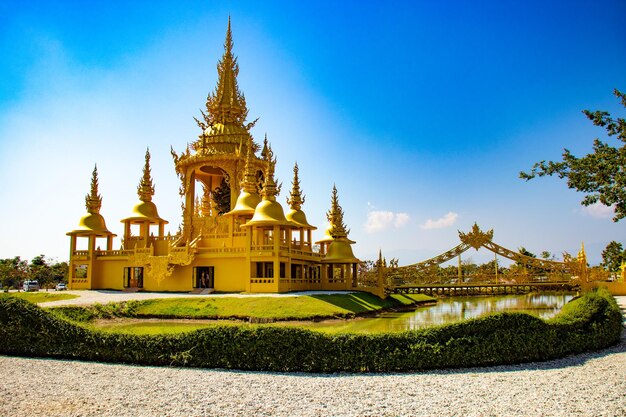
(159, 268)
(206, 206)
(476, 237)
(213, 225)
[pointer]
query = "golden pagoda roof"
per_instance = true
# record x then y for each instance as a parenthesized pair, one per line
(299, 219)
(340, 251)
(246, 204)
(248, 198)
(145, 210)
(269, 212)
(295, 201)
(327, 236)
(92, 223)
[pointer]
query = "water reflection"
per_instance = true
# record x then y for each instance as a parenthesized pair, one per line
(451, 310)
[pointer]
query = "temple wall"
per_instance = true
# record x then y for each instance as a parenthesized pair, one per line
(231, 274)
(108, 274)
(181, 280)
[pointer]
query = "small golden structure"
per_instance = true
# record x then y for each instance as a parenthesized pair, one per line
(234, 234)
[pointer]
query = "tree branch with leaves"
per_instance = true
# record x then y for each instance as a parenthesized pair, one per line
(600, 174)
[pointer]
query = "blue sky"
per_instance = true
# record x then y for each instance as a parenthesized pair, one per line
(422, 113)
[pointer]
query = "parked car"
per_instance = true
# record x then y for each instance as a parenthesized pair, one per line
(30, 286)
(60, 286)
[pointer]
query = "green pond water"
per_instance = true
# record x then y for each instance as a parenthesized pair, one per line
(446, 310)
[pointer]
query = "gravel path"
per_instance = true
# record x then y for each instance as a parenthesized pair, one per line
(591, 384)
(584, 385)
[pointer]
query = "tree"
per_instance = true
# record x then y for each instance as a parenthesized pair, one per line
(221, 197)
(602, 173)
(59, 272)
(613, 256)
(40, 270)
(12, 272)
(547, 255)
(523, 251)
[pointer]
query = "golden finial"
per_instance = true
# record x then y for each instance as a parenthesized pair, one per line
(228, 43)
(335, 217)
(295, 199)
(93, 201)
(270, 190)
(264, 152)
(145, 189)
(248, 183)
(227, 104)
(582, 256)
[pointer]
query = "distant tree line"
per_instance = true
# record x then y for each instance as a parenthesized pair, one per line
(49, 272)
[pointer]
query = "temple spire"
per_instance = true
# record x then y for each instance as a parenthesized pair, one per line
(295, 199)
(582, 255)
(270, 190)
(249, 181)
(145, 190)
(264, 152)
(227, 104)
(335, 217)
(93, 200)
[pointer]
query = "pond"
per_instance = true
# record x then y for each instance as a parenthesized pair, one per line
(446, 310)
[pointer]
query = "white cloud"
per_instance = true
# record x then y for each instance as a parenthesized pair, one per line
(378, 220)
(445, 221)
(401, 220)
(599, 211)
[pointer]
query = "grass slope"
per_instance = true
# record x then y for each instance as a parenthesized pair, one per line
(277, 308)
(271, 308)
(40, 297)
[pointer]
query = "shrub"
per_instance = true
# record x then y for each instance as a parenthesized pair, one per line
(590, 322)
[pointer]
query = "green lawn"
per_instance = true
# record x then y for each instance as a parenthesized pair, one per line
(40, 296)
(281, 308)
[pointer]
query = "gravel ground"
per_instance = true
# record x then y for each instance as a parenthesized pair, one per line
(584, 385)
(591, 384)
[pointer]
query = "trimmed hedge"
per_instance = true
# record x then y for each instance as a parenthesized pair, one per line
(590, 322)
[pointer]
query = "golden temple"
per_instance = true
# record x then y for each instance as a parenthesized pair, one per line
(234, 235)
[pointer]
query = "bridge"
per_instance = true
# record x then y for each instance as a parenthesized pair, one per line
(484, 289)
(428, 277)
